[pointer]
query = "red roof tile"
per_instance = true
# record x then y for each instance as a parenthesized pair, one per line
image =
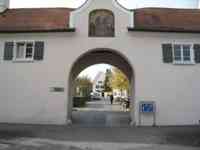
(167, 20)
(57, 19)
(35, 19)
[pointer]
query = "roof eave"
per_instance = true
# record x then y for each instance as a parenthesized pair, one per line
(39, 31)
(161, 30)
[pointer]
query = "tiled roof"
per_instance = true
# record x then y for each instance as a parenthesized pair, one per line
(57, 20)
(167, 20)
(35, 20)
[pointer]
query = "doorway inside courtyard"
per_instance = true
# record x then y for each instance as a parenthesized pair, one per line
(101, 92)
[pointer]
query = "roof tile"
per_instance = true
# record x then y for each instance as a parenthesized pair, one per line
(34, 19)
(167, 19)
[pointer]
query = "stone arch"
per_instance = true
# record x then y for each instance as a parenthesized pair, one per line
(97, 56)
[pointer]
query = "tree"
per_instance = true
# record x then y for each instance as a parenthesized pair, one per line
(83, 86)
(108, 81)
(119, 80)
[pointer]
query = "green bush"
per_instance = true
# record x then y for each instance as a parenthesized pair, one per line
(80, 101)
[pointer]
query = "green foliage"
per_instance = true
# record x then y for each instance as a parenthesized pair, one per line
(83, 86)
(108, 81)
(119, 80)
(80, 101)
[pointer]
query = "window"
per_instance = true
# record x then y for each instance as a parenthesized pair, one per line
(20, 50)
(177, 52)
(186, 53)
(29, 50)
(100, 82)
(24, 51)
(183, 54)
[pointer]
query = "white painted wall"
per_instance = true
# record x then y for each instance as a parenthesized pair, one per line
(25, 87)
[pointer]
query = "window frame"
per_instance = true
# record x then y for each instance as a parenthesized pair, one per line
(26, 42)
(182, 61)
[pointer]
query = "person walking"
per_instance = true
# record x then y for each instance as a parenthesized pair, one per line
(111, 99)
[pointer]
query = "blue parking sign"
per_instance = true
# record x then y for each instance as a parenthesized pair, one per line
(147, 107)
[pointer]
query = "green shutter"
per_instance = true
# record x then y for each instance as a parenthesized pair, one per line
(8, 50)
(167, 53)
(39, 50)
(197, 53)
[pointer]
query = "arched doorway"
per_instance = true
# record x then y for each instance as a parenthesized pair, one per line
(97, 56)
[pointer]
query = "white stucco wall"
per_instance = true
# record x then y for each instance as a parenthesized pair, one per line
(25, 87)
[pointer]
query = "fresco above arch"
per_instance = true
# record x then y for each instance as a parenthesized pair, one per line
(101, 23)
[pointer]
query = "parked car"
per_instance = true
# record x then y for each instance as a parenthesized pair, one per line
(95, 96)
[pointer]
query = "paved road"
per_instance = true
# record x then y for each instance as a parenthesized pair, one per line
(101, 105)
(42, 137)
(101, 114)
(44, 144)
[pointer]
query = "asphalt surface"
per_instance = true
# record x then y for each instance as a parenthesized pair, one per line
(107, 136)
(101, 114)
(43, 144)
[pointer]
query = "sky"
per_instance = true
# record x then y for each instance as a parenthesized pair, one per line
(130, 4)
(93, 70)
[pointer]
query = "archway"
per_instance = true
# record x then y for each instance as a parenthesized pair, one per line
(97, 56)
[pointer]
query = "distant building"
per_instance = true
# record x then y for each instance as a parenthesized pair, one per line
(120, 93)
(98, 84)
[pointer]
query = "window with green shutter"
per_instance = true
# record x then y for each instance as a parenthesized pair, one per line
(39, 50)
(167, 53)
(183, 54)
(8, 51)
(196, 48)
(24, 51)
(179, 53)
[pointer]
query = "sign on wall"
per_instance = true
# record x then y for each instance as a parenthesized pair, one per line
(147, 108)
(57, 89)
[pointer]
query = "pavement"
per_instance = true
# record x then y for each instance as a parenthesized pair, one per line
(101, 105)
(101, 114)
(106, 136)
(50, 137)
(44, 144)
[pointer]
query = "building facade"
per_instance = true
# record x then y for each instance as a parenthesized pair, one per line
(98, 84)
(43, 50)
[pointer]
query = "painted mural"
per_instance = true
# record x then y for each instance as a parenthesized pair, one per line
(101, 23)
